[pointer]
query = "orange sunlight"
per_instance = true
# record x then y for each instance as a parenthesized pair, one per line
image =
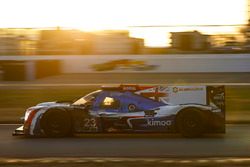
(92, 15)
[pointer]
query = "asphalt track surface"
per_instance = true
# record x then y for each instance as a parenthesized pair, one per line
(235, 143)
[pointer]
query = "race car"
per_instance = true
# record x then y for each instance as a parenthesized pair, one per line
(189, 110)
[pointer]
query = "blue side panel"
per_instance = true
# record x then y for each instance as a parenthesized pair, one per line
(140, 102)
(126, 99)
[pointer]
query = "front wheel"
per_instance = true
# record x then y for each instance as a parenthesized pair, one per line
(56, 123)
(190, 123)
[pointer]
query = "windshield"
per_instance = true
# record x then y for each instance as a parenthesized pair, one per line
(88, 98)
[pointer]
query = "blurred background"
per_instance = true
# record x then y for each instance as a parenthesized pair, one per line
(61, 50)
(126, 27)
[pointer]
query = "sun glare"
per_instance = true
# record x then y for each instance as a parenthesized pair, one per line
(113, 14)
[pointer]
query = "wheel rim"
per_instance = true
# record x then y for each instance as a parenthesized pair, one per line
(191, 123)
(55, 126)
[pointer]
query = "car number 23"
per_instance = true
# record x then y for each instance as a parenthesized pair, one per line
(90, 123)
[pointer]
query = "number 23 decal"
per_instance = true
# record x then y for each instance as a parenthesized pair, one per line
(90, 123)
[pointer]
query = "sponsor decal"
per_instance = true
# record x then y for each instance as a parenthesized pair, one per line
(180, 89)
(218, 99)
(129, 88)
(159, 123)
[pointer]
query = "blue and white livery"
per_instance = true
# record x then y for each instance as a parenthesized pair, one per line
(189, 110)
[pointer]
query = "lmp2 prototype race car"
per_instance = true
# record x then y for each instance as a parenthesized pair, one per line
(188, 110)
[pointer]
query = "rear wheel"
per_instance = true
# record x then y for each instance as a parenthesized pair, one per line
(56, 123)
(191, 123)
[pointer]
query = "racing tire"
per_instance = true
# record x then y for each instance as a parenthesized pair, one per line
(56, 123)
(191, 123)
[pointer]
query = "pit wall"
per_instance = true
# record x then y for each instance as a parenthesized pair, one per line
(32, 67)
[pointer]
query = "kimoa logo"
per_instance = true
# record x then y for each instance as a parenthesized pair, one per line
(159, 123)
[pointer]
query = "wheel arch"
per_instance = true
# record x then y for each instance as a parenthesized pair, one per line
(55, 108)
(205, 113)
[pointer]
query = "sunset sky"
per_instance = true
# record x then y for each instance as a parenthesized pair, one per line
(120, 14)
